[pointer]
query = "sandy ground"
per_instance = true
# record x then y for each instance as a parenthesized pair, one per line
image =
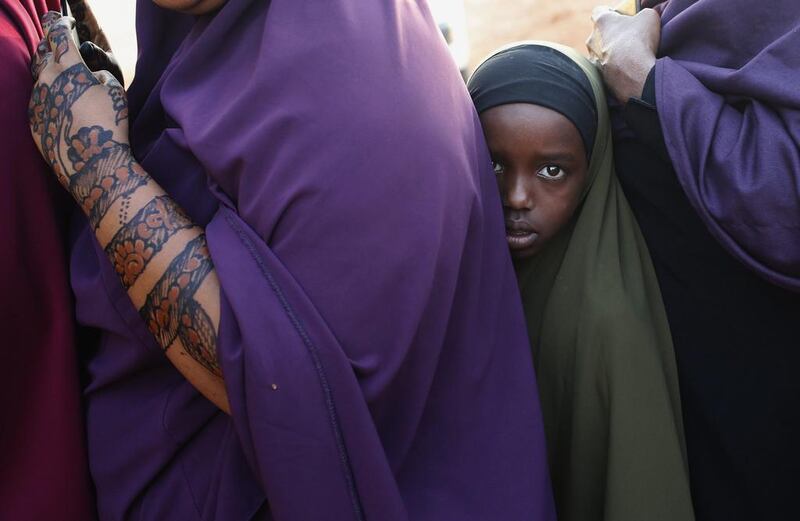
(491, 23)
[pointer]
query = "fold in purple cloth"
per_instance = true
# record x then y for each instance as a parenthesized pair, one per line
(371, 337)
(729, 103)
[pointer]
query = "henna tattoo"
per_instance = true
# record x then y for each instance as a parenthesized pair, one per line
(198, 337)
(49, 113)
(98, 171)
(170, 309)
(59, 41)
(124, 207)
(105, 171)
(138, 241)
(49, 20)
(39, 61)
(119, 102)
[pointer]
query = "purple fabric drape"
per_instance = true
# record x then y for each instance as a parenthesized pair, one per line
(728, 98)
(43, 469)
(371, 338)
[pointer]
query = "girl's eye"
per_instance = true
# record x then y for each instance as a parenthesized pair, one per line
(551, 173)
(498, 168)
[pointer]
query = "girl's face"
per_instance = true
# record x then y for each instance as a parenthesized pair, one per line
(540, 162)
(195, 7)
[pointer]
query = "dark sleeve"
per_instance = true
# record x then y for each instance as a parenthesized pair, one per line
(641, 116)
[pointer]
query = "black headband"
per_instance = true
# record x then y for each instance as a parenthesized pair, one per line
(538, 75)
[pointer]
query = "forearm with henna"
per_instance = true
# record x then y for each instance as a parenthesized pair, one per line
(159, 254)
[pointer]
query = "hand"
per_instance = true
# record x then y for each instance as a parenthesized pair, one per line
(624, 49)
(99, 60)
(79, 122)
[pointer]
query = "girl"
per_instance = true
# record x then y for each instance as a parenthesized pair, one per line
(597, 326)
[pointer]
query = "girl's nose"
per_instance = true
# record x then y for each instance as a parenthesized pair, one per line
(516, 195)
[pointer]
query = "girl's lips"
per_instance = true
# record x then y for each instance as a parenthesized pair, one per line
(520, 236)
(517, 241)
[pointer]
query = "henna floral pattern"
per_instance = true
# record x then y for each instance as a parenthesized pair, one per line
(197, 334)
(145, 235)
(120, 103)
(98, 170)
(170, 309)
(87, 143)
(37, 65)
(105, 171)
(50, 115)
(59, 42)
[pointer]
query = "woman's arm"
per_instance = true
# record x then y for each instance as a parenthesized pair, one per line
(79, 122)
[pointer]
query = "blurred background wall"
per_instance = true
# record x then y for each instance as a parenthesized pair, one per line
(117, 18)
(489, 24)
(492, 23)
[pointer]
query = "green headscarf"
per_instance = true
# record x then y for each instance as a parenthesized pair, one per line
(604, 356)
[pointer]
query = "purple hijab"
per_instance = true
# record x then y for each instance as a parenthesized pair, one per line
(371, 338)
(728, 94)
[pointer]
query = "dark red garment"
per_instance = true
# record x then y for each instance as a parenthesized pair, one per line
(43, 467)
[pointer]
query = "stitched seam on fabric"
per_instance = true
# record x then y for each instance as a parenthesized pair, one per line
(312, 349)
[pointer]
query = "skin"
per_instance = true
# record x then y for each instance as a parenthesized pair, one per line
(79, 121)
(624, 49)
(540, 162)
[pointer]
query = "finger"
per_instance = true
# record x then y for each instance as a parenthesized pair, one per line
(39, 58)
(49, 19)
(597, 54)
(106, 78)
(39, 63)
(114, 68)
(599, 11)
(94, 57)
(606, 19)
(591, 43)
(594, 60)
(650, 23)
(648, 17)
(43, 48)
(649, 14)
(36, 109)
(97, 59)
(62, 45)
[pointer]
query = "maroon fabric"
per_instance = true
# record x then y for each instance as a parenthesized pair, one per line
(43, 470)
